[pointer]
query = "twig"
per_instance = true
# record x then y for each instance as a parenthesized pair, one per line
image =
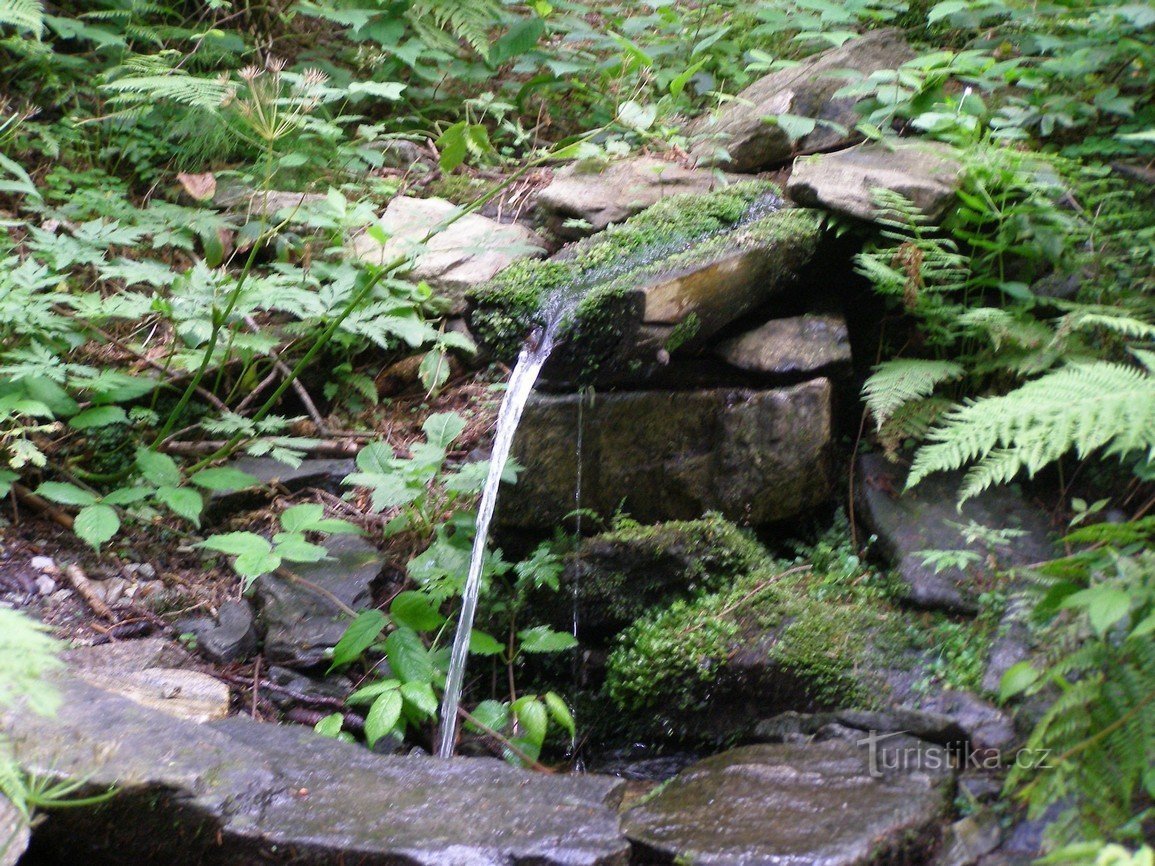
(326, 448)
(488, 731)
(320, 590)
(283, 368)
(86, 591)
(39, 503)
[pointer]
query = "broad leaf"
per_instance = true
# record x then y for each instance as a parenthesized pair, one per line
(96, 524)
(415, 610)
(358, 637)
(382, 716)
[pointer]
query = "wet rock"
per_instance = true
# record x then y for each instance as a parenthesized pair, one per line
(966, 841)
(799, 346)
(295, 688)
(926, 173)
(239, 792)
(465, 254)
(302, 620)
(14, 833)
(753, 456)
(985, 725)
(618, 575)
(598, 195)
(741, 131)
(822, 804)
(231, 637)
(666, 280)
(926, 518)
(324, 474)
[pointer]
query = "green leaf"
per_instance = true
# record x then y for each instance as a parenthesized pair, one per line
(441, 429)
(99, 416)
(302, 518)
(543, 639)
(560, 712)
(7, 479)
(293, 547)
(182, 501)
(157, 468)
(390, 90)
(126, 495)
(532, 718)
(452, 146)
(637, 116)
(408, 656)
(96, 524)
(330, 726)
(65, 494)
(1016, 680)
(371, 692)
(236, 543)
(415, 610)
(1145, 627)
(1105, 605)
(493, 714)
(224, 478)
(421, 697)
(945, 9)
(376, 458)
(358, 637)
(482, 644)
(793, 125)
(252, 565)
(434, 370)
(382, 716)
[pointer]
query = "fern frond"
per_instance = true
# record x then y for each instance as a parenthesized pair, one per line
(1082, 407)
(27, 15)
(469, 21)
(1128, 326)
(204, 93)
(895, 383)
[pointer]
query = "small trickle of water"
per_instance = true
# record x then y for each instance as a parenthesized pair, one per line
(575, 598)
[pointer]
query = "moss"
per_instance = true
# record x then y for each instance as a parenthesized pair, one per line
(458, 188)
(677, 234)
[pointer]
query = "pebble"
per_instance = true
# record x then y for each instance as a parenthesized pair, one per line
(43, 563)
(45, 585)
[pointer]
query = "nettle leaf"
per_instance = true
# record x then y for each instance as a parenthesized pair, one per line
(543, 639)
(99, 416)
(252, 565)
(376, 458)
(224, 478)
(358, 637)
(415, 610)
(492, 714)
(383, 716)
(96, 524)
(183, 502)
(482, 644)
(157, 468)
(127, 495)
(66, 494)
(302, 518)
(441, 429)
(237, 543)
(408, 656)
(293, 547)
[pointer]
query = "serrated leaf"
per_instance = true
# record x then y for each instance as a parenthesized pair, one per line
(302, 518)
(560, 712)
(408, 656)
(482, 644)
(421, 697)
(293, 547)
(98, 416)
(236, 543)
(441, 429)
(252, 565)
(183, 502)
(543, 639)
(157, 468)
(224, 478)
(96, 524)
(375, 459)
(415, 610)
(65, 494)
(382, 717)
(358, 637)
(493, 714)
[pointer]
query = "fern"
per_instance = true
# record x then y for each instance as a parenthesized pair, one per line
(895, 383)
(1085, 407)
(27, 15)
(181, 88)
(469, 21)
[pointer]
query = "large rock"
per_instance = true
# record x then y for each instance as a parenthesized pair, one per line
(926, 519)
(925, 173)
(805, 90)
(465, 254)
(599, 195)
(617, 576)
(275, 476)
(753, 456)
(798, 346)
(238, 792)
(305, 618)
(667, 279)
(820, 804)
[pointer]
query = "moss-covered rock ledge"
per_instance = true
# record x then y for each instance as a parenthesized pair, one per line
(666, 279)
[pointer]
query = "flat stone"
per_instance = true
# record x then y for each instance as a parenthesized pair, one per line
(263, 203)
(127, 656)
(926, 173)
(321, 473)
(302, 622)
(805, 90)
(240, 792)
(926, 518)
(817, 804)
(14, 833)
(231, 637)
(600, 195)
(183, 694)
(800, 345)
(465, 254)
(753, 456)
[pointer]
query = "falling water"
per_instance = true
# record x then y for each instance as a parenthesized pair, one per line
(529, 363)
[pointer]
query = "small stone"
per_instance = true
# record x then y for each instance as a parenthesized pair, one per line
(965, 841)
(803, 345)
(232, 637)
(45, 585)
(43, 563)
